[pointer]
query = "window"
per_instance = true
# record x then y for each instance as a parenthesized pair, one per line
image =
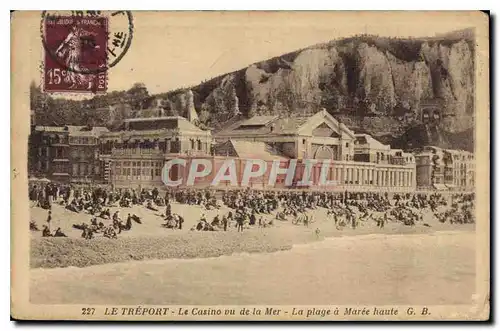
(199, 145)
(346, 144)
(158, 167)
(82, 169)
(192, 143)
(97, 170)
(75, 169)
(168, 144)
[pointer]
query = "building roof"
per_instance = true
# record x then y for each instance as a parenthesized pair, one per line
(135, 134)
(252, 150)
(156, 130)
(74, 130)
(366, 139)
(264, 125)
(258, 120)
(152, 119)
(275, 125)
(180, 122)
(95, 131)
(50, 128)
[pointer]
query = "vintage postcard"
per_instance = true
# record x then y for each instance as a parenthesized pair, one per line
(279, 166)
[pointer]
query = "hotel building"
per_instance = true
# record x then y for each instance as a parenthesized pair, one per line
(445, 169)
(135, 155)
(65, 153)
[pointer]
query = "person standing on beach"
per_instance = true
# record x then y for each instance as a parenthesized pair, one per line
(49, 218)
(382, 222)
(168, 210)
(224, 222)
(180, 221)
(239, 220)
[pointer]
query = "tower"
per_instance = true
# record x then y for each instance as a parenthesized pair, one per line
(191, 114)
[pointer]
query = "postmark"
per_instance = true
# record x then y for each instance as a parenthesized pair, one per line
(81, 46)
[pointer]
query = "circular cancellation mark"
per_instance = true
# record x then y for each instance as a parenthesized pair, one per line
(86, 42)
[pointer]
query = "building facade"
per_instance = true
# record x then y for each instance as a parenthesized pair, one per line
(357, 161)
(445, 169)
(65, 153)
(135, 155)
(85, 163)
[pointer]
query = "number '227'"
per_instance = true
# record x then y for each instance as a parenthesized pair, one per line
(88, 311)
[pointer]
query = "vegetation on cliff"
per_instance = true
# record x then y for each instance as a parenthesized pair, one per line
(373, 82)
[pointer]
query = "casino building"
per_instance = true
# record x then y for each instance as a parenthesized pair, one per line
(358, 161)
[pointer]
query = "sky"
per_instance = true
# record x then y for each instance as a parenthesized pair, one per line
(180, 49)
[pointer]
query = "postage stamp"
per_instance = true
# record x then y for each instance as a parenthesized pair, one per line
(250, 166)
(80, 47)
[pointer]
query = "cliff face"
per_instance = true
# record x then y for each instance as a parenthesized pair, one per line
(367, 80)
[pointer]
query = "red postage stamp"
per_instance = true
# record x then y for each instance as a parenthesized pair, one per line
(75, 54)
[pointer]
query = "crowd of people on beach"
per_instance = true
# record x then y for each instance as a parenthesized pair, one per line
(247, 208)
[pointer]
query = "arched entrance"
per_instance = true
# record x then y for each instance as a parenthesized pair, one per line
(324, 153)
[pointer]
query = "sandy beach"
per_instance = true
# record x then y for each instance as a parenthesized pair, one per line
(149, 240)
(283, 264)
